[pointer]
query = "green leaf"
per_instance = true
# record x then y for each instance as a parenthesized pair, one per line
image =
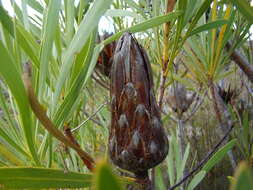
(51, 19)
(218, 156)
(28, 44)
(245, 9)
(185, 157)
(120, 13)
(6, 20)
(93, 62)
(8, 139)
(159, 179)
(72, 96)
(35, 5)
(170, 163)
(243, 177)
(87, 26)
(70, 20)
(25, 40)
(151, 23)
(209, 26)
(13, 79)
(206, 4)
(37, 178)
(9, 156)
(105, 179)
(196, 180)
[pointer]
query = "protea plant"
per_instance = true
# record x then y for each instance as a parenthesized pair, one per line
(137, 140)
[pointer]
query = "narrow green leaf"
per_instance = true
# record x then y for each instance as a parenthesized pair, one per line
(9, 156)
(6, 20)
(151, 23)
(206, 4)
(49, 30)
(93, 62)
(9, 140)
(134, 5)
(13, 79)
(69, 101)
(25, 15)
(190, 10)
(35, 5)
(196, 180)
(87, 26)
(209, 26)
(218, 156)
(186, 155)
(120, 13)
(245, 9)
(28, 44)
(5, 108)
(170, 163)
(159, 179)
(38, 178)
(25, 40)
(70, 20)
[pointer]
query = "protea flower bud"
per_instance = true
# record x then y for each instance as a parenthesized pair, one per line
(137, 139)
(104, 62)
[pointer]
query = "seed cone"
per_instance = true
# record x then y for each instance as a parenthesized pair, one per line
(137, 139)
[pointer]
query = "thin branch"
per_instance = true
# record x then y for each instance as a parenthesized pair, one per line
(69, 135)
(89, 118)
(40, 113)
(243, 63)
(165, 59)
(92, 119)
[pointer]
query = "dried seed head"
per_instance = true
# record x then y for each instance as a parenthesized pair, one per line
(228, 95)
(178, 98)
(143, 144)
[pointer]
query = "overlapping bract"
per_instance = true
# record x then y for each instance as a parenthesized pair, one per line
(137, 139)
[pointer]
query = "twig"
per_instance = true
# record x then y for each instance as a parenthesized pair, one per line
(240, 60)
(92, 119)
(208, 156)
(69, 135)
(85, 121)
(48, 124)
(162, 89)
(169, 8)
(165, 59)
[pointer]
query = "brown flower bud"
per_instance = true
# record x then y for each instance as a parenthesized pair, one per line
(137, 139)
(104, 62)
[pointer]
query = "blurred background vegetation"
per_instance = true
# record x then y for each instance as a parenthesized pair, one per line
(201, 54)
